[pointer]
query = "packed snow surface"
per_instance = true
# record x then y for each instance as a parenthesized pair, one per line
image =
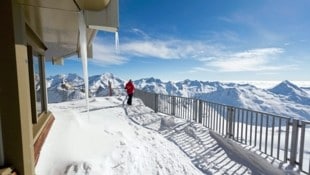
(116, 139)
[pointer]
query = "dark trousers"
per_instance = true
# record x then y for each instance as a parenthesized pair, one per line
(129, 100)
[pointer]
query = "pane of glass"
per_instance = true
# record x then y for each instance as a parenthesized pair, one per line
(37, 84)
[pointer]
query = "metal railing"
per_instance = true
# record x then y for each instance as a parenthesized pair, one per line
(277, 136)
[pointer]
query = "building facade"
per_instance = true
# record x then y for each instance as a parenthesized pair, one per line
(33, 32)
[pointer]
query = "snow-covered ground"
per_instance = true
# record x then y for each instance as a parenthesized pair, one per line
(113, 138)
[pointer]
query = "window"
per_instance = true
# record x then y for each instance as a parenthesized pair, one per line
(37, 84)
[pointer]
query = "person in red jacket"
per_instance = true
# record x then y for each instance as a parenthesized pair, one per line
(130, 88)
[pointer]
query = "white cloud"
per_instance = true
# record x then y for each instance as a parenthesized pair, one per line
(157, 49)
(140, 32)
(107, 55)
(214, 57)
(251, 60)
(168, 49)
(211, 56)
(199, 69)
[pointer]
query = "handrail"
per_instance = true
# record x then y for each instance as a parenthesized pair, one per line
(280, 137)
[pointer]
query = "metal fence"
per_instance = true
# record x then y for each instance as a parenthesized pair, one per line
(280, 137)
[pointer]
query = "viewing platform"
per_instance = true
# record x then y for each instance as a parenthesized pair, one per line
(113, 138)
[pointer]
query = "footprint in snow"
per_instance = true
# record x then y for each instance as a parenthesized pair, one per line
(82, 168)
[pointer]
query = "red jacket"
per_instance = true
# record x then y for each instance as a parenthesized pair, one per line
(130, 88)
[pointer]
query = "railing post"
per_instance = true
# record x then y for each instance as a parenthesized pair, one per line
(195, 111)
(287, 133)
(173, 105)
(156, 103)
(229, 124)
(200, 111)
(294, 142)
(302, 145)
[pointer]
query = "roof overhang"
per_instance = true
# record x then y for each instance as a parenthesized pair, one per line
(54, 24)
(92, 5)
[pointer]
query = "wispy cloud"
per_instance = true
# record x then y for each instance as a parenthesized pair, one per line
(156, 49)
(200, 69)
(106, 54)
(252, 60)
(140, 33)
(167, 49)
(212, 57)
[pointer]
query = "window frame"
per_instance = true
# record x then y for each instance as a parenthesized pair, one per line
(33, 93)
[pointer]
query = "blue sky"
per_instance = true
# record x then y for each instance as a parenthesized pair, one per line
(204, 40)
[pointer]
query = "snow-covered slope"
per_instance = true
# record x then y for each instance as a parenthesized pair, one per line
(186, 88)
(286, 98)
(71, 87)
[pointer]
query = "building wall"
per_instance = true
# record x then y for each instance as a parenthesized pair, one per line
(15, 103)
(25, 108)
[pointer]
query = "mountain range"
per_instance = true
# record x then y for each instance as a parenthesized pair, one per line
(286, 98)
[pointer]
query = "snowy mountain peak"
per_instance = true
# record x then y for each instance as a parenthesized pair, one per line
(281, 102)
(287, 84)
(288, 88)
(292, 92)
(107, 76)
(285, 99)
(72, 79)
(151, 80)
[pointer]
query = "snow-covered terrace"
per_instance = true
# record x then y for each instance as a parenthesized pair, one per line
(113, 138)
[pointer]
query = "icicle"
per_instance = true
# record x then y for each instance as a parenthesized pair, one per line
(83, 51)
(116, 42)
